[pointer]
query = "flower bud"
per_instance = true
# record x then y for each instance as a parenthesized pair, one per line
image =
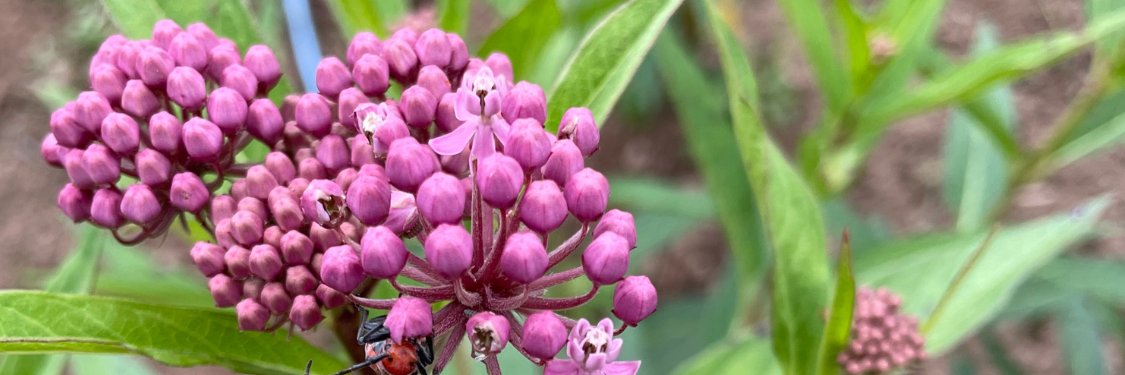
(410, 317)
(65, 128)
(619, 222)
(449, 249)
(138, 100)
(565, 161)
(76, 169)
(499, 179)
(305, 313)
(74, 203)
(219, 58)
(297, 186)
(121, 133)
(400, 58)
(330, 298)
(275, 298)
(286, 211)
(104, 209)
(323, 238)
(154, 67)
(441, 199)
(279, 165)
(164, 31)
(128, 56)
(634, 299)
(263, 121)
(433, 48)
(362, 44)
(369, 199)
(90, 109)
(225, 291)
(140, 205)
(101, 165)
(272, 236)
(109, 82)
(528, 143)
(543, 335)
(383, 254)
(445, 117)
(524, 259)
(241, 79)
(340, 269)
(246, 227)
(587, 194)
(253, 205)
(188, 51)
(543, 207)
(457, 165)
(203, 34)
(186, 88)
(51, 151)
(525, 101)
(252, 316)
(222, 234)
(208, 258)
(265, 263)
(311, 169)
(222, 207)
(501, 65)
(349, 99)
(362, 153)
(227, 110)
(263, 64)
(314, 115)
(409, 164)
(298, 280)
(373, 170)
(260, 182)
(332, 76)
(165, 132)
(202, 139)
(488, 333)
(332, 152)
(380, 125)
(418, 106)
(606, 260)
(296, 248)
(323, 203)
(372, 75)
(188, 192)
(433, 79)
(578, 125)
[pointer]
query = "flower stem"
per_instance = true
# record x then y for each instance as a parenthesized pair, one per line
(542, 303)
(560, 253)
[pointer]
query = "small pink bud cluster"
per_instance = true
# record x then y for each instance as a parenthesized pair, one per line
(151, 117)
(882, 338)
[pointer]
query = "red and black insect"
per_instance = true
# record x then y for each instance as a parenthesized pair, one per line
(409, 357)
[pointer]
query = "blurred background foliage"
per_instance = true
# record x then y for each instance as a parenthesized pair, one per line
(744, 167)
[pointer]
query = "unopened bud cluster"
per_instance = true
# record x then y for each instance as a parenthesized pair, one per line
(882, 338)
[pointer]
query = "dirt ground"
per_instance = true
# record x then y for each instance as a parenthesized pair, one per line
(901, 183)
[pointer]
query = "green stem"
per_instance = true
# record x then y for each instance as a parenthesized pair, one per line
(957, 280)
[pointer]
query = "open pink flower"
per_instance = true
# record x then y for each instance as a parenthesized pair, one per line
(478, 106)
(592, 351)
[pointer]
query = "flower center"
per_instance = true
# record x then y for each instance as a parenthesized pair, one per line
(329, 209)
(483, 84)
(596, 341)
(482, 341)
(371, 123)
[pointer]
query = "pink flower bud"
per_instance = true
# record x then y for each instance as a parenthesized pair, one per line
(188, 192)
(280, 166)
(634, 299)
(203, 34)
(246, 227)
(323, 203)
(441, 199)
(296, 248)
(410, 317)
(286, 211)
(383, 253)
(619, 222)
(138, 100)
(65, 128)
(543, 335)
(51, 151)
(409, 164)
(252, 316)
(445, 117)
(164, 31)
(488, 333)
(313, 115)
(311, 169)
(499, 179)
(298, 280)
(165, 132)
(109, 82)
(372, 75)
(263, 64)
(154, 67)
(459, 57)
(74, 203)
(76, 169)
(265, 263)
(433, 48)
(418, 106)
(578, 125)
(253, 205)
(104, 209)
(330, 298)
(543, 207)
(565, 160)
(501, 65)
(363, 43)
(528, 143)
(186, 88)
(525, 100)
(606, 260)
(227, 110)
(140, 205)
(222, 208)
(220, 58)
(349, 99)
(225, 291)
(449, 249)
(434, 80)
(242, 80)
(524, 259)
(222, 235)
(323, 238)
(369, 199)
(121, 133)
(101, 165)
(90, 109)
(362, 152)
(275, 298)
(381, 125)
(260, 182)
(202, 139)
(305, 313)
(401, 59)
(332, 152)
(208, 258)
(587, 194)
(340, 269)
(263, 121)
(332, 76)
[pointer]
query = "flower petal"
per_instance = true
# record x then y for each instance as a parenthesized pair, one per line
(595, 362)
(467, 105)
(454, 143)
(483, 145)
(614, 349)
(492, 103)
(606, 325)
(622, 368)
(500, 127)
(561, 367)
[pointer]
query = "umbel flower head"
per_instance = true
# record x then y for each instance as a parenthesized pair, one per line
(353, 176)
(882, 338)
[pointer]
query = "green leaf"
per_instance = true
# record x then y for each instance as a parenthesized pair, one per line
(839, 326)
(656, 196)
(975, 169)
(1107, 48)
(750, 355)
(793, 222)
(134, 17)
(508, 8)
(100, 364)
(707, 317)
(1081, 339)
(605, 61)
(131, 272)
(39, 322)
(523, 36)
(921, 269)
(453, 15)
(806, 18)
(1098, 279)
(1098, 139)
(855, 37)
(998, 354)
(361, 15)
(710, 142)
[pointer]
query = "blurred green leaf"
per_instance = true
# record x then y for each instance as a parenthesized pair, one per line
(598, 70)
(134, 17)
(1081, 339)
(921, 269)
(359, 15)
(749, 355)
(507, 8)
(101, 364)
(998, 354)
(1099, 138)
(855, 38)
(974, 168)
(903, 29)
(655, 196)
(839, 326)
(806, 18)
(40, 322)
(453, 15)
(655, 232)
(1107, 48)
(865, 232)
(790, 212)
(706, 317)
(710, 141)
(131, 272)
(523, 36)
(1100, 279)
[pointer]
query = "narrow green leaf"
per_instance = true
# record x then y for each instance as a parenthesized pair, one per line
(1081, 339)
(750, 355)
(906, 26)
(855, 38)
(523, 36)
(839, 326)
(656, 196)
(358, 15)
(806, 18)
(1108, 48)
(597, 73)
(132, 273)
(789, 210)
(134, 17)
(707, 317)
(101, 364)
(453, 15)
(1099, 279)
(921, 269)
(507, 8)
(39, 322)
(1096, 140)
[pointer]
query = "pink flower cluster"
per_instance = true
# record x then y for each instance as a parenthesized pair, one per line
(882, 338)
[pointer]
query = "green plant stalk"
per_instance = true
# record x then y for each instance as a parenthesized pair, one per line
(935, 315)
